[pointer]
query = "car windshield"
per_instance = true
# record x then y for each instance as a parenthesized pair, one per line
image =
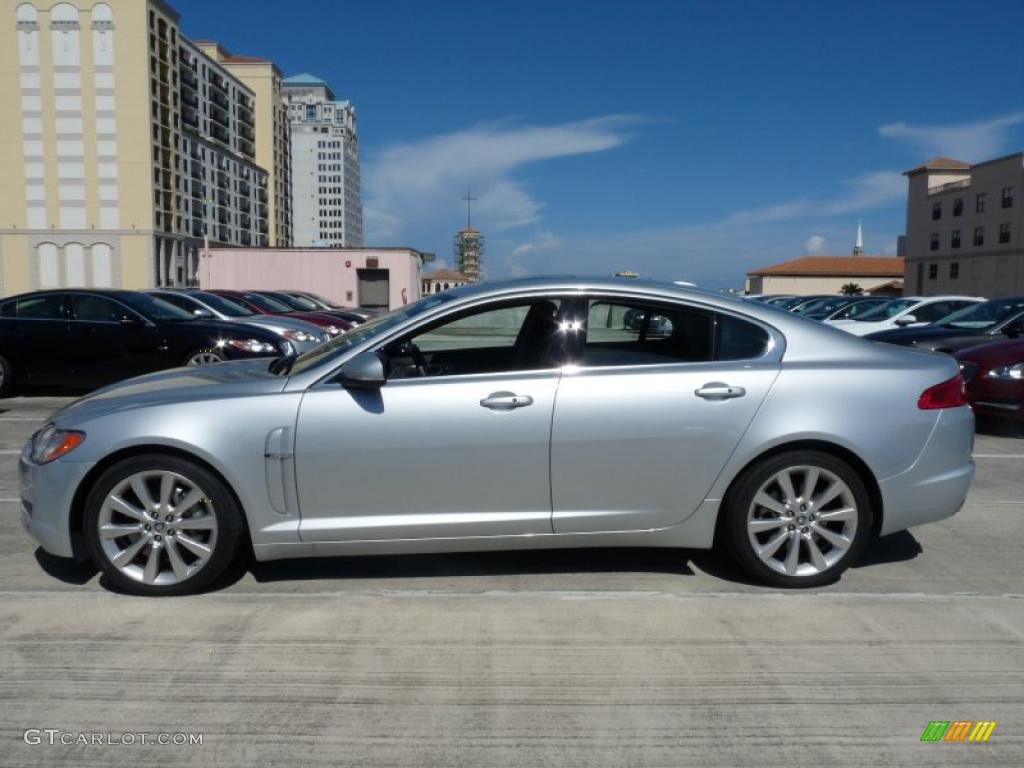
(788, 303)
(222, 305)
(266, 303)
(154, 308)
(984, 315)
(826, 305)
(886, 311)
(368, 330)
(321, 301)
(299, 302)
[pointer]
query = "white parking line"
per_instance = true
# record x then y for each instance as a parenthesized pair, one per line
(997, 456)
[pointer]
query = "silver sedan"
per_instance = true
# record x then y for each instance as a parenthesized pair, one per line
(525, 414)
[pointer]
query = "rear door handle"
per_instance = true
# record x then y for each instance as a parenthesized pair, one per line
(716, 390)
(506, 401)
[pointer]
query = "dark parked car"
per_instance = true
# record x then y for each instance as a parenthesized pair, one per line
(847, 310)
(352, 314)
(990, 321)
(300, 303)
(85, 339)
(265, 305)
(995, 378)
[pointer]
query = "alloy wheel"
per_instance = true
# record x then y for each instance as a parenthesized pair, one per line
(802, 521)
(157, 527)
(203, 358)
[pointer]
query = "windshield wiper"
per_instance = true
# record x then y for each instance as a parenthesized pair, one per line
(283, 365)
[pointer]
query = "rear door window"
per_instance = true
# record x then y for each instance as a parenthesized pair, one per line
(51, 306)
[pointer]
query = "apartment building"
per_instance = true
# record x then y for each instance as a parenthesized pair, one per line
(123, 148)
(273, 135)
(328, 208)
(964, 227)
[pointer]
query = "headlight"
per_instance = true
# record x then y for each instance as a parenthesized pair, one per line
(333, 330)
(300, 336)
(253, 346)
(50, 443)
(1008, 373)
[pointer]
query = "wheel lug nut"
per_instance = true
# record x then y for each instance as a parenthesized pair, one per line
(146, 527)
(158, 537)
(804, 529)
(169, 518)
(792, 527)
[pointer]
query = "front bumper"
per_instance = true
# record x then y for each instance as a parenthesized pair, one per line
(994, 397)
(936, 486)
(47, 492)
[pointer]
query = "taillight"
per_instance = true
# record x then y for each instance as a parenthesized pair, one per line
(948, 394)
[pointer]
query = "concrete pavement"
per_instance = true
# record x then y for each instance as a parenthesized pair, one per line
(588, 658)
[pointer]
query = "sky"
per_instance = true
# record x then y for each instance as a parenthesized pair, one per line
(682, 140)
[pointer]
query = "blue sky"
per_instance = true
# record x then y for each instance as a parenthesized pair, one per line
(684, 140)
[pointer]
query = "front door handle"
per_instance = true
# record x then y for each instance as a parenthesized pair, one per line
(716, 390)
(506, 401)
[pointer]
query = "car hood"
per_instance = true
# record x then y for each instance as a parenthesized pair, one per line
(219, 380)
(911, 335)
(219, 328)
(996, 353)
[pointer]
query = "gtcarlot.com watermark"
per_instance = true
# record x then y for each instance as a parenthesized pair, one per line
(55, 737)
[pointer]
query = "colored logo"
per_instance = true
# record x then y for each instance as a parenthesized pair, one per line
(958, 730)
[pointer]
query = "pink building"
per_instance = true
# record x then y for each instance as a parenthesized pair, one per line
(378, 278)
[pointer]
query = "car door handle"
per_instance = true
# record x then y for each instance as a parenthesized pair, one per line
(719, 391)
(504, 401)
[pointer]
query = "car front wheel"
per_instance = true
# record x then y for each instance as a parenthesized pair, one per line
(161, 525)
(798, 519)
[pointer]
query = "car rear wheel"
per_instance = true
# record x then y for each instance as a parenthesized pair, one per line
(161, 525)
(6, 378)
(798, 519)
(203, 357)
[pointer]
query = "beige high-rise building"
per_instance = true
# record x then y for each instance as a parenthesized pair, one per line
(965, 227)
(273, 137)
(122, 147)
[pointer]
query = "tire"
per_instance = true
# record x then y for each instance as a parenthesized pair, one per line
(6, 378)
(193, 524)
(203, 357)
(762, 536)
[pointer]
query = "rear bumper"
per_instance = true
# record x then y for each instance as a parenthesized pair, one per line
(46, 494)
(1001, 399)
(936, 486)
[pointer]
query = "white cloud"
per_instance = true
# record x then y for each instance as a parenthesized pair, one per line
(973, 141)
(414, 184)
(815, 244)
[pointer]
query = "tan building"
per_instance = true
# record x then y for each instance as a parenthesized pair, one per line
(964, 227)
(273, 137)
(442, 280)
(122, 147)
(825, 274)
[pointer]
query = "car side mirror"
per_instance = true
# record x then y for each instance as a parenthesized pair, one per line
(364, 371)
(906, 320)
(1014, 329)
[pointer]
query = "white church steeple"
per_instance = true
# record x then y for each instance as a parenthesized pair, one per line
(858, 246)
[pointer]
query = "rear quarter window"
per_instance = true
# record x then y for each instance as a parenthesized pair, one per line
(739, 339)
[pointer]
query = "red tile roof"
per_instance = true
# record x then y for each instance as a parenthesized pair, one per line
(447, 274)
(831, 266)
(940, 164)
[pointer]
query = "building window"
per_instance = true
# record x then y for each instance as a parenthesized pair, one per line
(934, 246)
(979, 235)
(936, 211)
(1004, 232)
(933, 271)
(1007, 197)
(310, 113)
(954, 239)
(958, 206)
(979, 203)
(954, 270)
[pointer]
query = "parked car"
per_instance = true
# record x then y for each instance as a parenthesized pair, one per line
(85, 339)
(356, 316)
(302, 304)
(995, 320)
(801, 306)
(995, 378)
(264, 305)
(668, 442)
(904, 313)
(819, 308)
(302, 335)
(854, 309)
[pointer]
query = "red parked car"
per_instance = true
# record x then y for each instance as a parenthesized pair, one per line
(265, 305)
(995, 378)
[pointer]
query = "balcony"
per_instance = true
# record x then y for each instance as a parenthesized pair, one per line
(219, 133)
(243, 204)
(198, 230)
(263, 226)
(246, 238)
(218, 98)
(245, 221)
(221, 179)
(188, 77)
(223, 216)
(243, 187)
(263, 195)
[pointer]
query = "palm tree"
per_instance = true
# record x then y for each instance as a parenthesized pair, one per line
(851, 289)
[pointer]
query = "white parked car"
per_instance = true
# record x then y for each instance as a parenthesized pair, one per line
(904, 313)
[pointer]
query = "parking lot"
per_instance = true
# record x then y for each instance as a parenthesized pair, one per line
(588, 657)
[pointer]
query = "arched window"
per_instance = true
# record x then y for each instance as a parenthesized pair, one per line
(74, 265)
(63, 12)
(102, 12)
(102, 269)
(49, 269)
(27, 12)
